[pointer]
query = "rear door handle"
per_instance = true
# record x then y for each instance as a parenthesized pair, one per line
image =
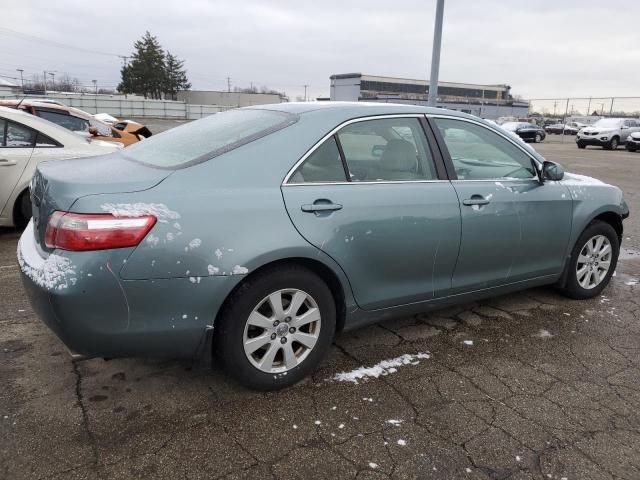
(321, 207)
(7, 163)
(476, 200)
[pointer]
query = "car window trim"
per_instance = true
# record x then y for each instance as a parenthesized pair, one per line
(335, 130)
(447, 156)
(343, 159)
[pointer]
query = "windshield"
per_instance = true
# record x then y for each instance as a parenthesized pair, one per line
(608, 123)
(208, 137)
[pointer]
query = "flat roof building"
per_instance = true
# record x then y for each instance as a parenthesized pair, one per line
(487, 101)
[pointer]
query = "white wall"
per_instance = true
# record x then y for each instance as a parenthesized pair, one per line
(123, 107)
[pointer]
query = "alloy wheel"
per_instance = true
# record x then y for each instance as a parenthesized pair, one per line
(594, 262)
(282, 330)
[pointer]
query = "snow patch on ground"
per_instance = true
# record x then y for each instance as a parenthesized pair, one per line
(158, 210)
(402, 442)
(632, 282)
(542, 333)
(383, 368)
(395, 422)
(468, 342)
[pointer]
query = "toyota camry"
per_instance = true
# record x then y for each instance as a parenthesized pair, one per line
(255, 235)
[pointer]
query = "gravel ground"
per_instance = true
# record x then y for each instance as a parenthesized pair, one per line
(524, 386)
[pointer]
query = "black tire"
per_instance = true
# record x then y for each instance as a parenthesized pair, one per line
(581, 145)
(630, 148)
(613, 144)
(572, 287)
(538, 138)
(230, 327)
(22, 210)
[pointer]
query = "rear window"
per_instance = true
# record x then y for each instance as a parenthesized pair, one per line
(208, 137)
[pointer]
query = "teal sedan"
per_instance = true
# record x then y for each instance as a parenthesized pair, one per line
(253, 236)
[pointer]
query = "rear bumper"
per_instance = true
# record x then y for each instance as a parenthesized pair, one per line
(80, 297)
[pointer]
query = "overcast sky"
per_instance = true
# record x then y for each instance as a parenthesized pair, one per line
(542, 48)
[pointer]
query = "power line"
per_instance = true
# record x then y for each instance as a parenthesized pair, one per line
(53, 43)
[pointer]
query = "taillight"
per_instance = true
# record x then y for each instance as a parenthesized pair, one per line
(82, 232)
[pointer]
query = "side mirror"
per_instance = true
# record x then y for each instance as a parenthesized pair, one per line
(93, 131)
(552, 171)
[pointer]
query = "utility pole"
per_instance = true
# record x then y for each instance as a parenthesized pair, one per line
(228, 84)
(21, 78)
(53, 80)
(435, 55)
(611, 109)
(305, 92)
(589, 107)
(95, 86)
(44, 80)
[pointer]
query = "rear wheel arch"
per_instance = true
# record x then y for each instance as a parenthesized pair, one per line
(18, 215)
(325, 273)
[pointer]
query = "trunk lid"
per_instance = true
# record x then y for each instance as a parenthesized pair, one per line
(58, 184)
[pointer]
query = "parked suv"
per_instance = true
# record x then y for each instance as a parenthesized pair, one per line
(607, 133)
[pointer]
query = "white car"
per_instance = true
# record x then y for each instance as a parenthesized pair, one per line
(25, 141)
(608, 132)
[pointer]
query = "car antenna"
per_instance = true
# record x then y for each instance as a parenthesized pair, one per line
(19, 103)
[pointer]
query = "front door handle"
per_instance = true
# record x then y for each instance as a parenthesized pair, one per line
(7, 163)
(476, 200)
(321, 206)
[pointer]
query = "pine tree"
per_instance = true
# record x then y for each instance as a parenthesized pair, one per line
(145, 74)
(175, 76)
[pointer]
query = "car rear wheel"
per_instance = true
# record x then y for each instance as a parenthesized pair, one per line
(276, 328)
(22, 212)
(593, 261)
(538, 138)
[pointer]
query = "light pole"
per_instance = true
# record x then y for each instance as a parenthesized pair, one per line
(21, 70)
(435, 54)
(53, 80)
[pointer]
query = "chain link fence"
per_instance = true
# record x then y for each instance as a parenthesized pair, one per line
(598, 107)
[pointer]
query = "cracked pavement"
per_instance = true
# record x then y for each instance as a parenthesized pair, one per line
(549, 388)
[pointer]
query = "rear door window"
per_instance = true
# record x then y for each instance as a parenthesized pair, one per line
(19, 136)
(389, 149)
(67, 121)
(323, 165)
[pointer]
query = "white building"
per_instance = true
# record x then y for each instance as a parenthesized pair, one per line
(7, 88)
(487, 101)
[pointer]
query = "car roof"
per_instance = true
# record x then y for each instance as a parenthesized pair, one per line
(356, 109)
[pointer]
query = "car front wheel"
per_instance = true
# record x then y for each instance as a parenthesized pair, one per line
(593, 261)
(538, 138)
(613, 144)
(276, 328)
